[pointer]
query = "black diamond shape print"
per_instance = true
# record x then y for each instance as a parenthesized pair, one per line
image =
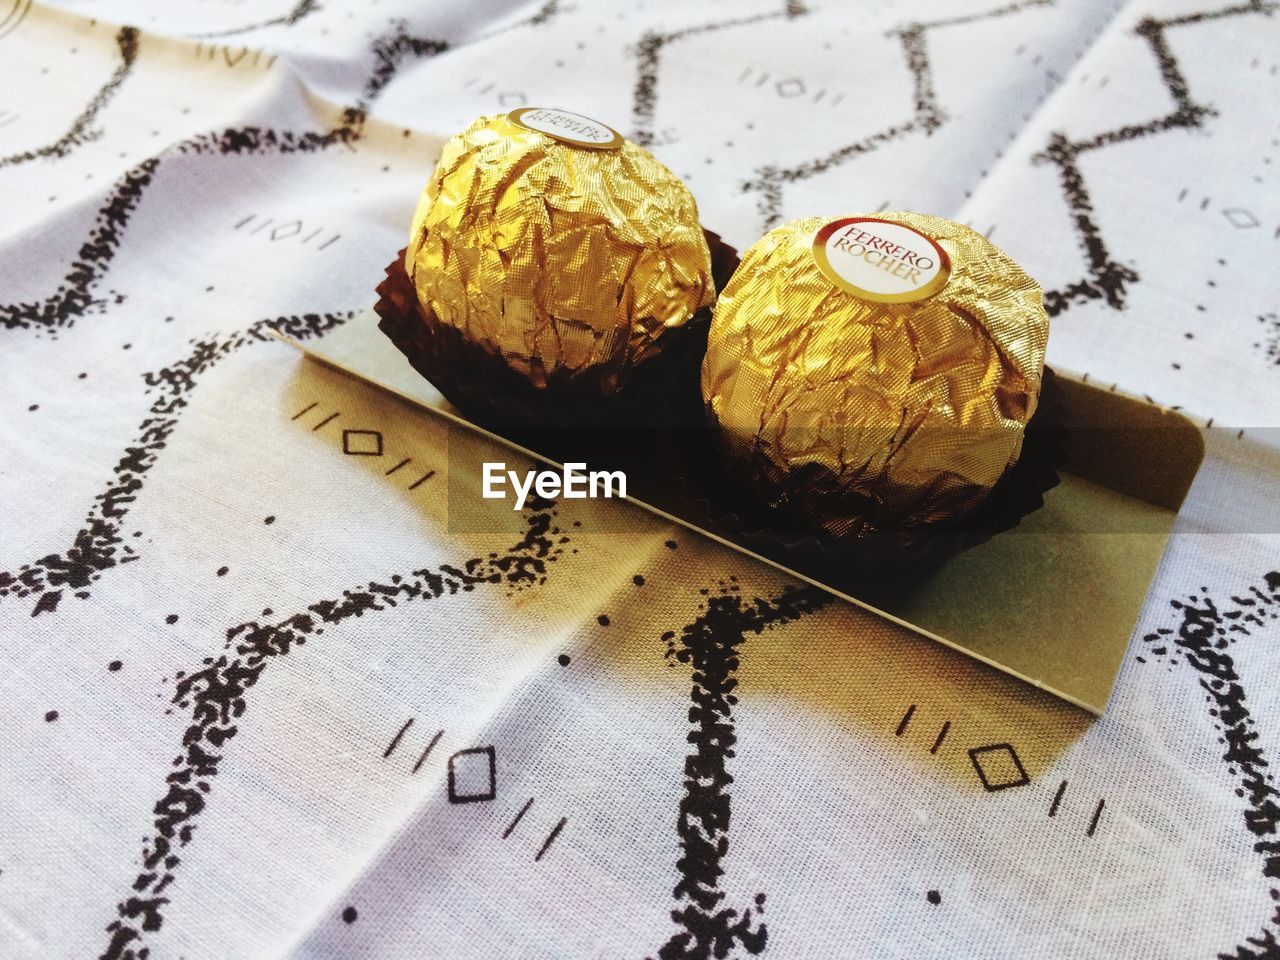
(1241, 219)
(998, 767)
(362, 443)
(471, 776)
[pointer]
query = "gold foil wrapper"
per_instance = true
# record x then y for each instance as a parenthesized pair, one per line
(565, 262)
(860, 417)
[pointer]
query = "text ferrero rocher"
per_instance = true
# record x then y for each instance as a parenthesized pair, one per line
(874, 374)
(552, 243)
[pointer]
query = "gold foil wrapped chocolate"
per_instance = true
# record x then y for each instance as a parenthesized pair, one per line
(568, 254)
(874, 374)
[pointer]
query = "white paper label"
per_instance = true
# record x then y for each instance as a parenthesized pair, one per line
(572, 128)
(880, 260)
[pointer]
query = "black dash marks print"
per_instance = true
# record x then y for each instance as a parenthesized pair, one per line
(905, 721)
(325, 422)
(217, 694)
(274, 231)
(519, 816)
(551, 838)
(1057, 799)
(426, 751)
(942, 736)
(100, 545)
(1097, 815)
(395, 741)
(1203, 639)
(710, 646)
(79, 132)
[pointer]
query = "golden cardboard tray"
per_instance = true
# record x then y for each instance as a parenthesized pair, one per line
(1053, 601)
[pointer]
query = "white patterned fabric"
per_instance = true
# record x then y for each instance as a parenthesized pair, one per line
(260, 697)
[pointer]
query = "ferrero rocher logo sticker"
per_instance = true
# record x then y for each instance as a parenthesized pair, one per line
(570, 128)
(880, 260)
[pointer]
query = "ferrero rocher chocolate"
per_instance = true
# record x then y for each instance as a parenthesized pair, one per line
(554, 244)
(874, 374)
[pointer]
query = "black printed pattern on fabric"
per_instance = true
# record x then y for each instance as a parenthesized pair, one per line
(927, 117)
(217, 695)
(78, 295)
(100, 543)
(1203, 640)
(1107, 278)
(710, 646)
(80, 131)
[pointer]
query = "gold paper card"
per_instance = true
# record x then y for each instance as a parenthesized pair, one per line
(1084, 562)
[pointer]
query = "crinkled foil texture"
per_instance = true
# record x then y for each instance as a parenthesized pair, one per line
(566, 262)
(859, 417)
